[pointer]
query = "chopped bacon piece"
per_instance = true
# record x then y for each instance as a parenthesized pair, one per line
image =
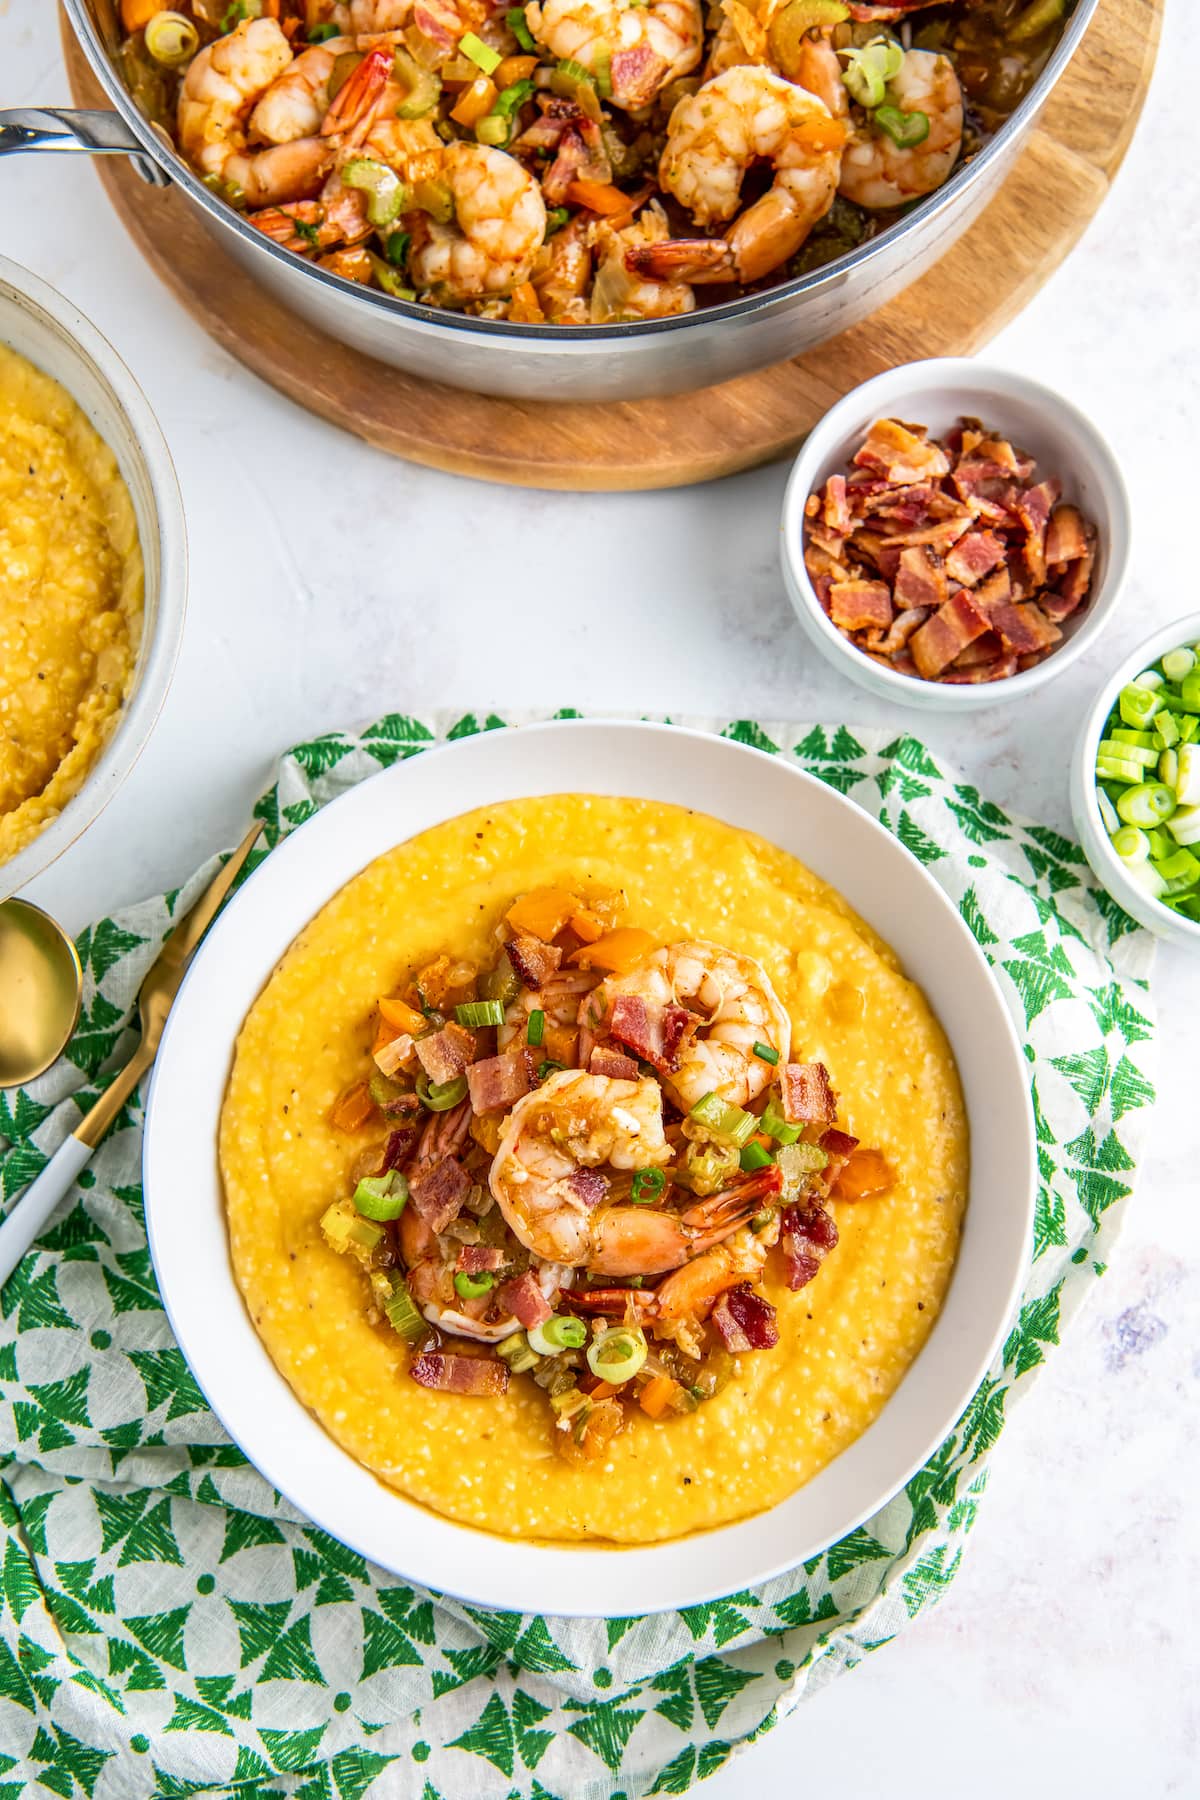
(652, 1034)
(836, 509)
(501, 1080)
(920, 578)
(837, 1146)
(745, 1319)
(590, 1185)
(998, 668)
(446, 1053)
(859, 605)
(1058, 607)
(612, 1064)
(1066, 536)
(953, 626)
(974, 556)
(532, 960)
(478, 1259)
(985, 649)
(806, 1236)
(524, 1299)
(903, 453)
(437, 1194)
(1073, 586)
(453, 1373)
(399, 1147)
(808, 1098)
(902, 628)
(884, 557)
(1022, 629)
(581, 157)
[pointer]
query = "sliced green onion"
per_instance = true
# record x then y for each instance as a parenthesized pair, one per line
(473, 1287)
(510, 99)
(1184, 826)
(1187, 774)
(518, 1353)
(478, 1013)
(766, 1054)
(1159, 839)
(514, 18)
(869, 68)
(755, 1157)
(1150, 803)
(481, 54)
(403, 1315)
(776, 1126)
(1178, 663)
(397, 247)
(549, 1067)
(1117, 750)
(1108, 812)
(1130, 844)
(381, 1197)
(617, 1354)
(1168, 767)
(1180, 871)
(1149, 678)
(386, 194)
(1108, 768)
(1166, 730)
(556, 218)
(172, 39)
(561, 1331)
(1189, 691)
(729, 1124)
(321, 34)
(440, 1096)
(1137, 704)
(648, 1184)
(906, 129)
(535, 1031)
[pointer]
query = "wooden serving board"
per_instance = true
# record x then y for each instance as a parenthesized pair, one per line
(1055, 187)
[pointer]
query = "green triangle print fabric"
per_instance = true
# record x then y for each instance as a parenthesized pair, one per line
(170, 1626)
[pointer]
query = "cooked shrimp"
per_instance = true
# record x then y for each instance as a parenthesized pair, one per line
(619, 290)
(562, 274)
(500, 222)
(643, 43)
(431, 1283)
(741, 117)
(879, 174)
(690, 1291)
(558, 997)
(295, 104)
(358, 18)
(735, 1006)
(222, 87)
(744, 37)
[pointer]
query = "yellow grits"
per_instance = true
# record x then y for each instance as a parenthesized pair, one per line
(71, 585)
(845, 1340)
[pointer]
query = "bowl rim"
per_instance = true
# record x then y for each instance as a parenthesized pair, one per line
(967, 375)
(88, 349)
(582, 337)
(560, 1579)
(1177, 634)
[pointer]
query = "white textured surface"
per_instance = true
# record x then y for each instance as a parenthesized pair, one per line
(329, 582)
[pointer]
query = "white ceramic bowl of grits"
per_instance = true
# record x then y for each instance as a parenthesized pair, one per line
(49, 331)
(185, 1212)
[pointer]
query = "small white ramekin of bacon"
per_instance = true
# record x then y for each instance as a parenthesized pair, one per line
(954, 535)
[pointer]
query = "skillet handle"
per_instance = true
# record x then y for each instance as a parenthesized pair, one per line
(89, 133)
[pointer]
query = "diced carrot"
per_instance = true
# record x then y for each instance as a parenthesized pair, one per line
(596, 1389)
(525, 308)
(542, 912)
(474, 101)
(597, 196)
(351, 264)
(400, 1014)
(657, 1395)
(137, 14)
(384, 1035)
(587, 925)
(514, 69)
(820, 135)
(864, 1173)
(616, 951)
(351, 1110)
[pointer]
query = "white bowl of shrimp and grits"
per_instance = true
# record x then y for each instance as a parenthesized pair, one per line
(621, 1146)
(953, 535)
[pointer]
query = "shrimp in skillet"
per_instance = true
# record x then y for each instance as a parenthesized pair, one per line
(498, 227)
(744, 116)
(224, 85)
(879, 173)
(640, 45)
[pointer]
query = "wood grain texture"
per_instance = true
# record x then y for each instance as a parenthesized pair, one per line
(982, 282)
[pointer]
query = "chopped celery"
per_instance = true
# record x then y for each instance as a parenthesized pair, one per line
(1178, 663)
(617, 1354)
(776, 1126)
(386, 194)
(478, 1013)
(728, 1124)
(1167, 730)
(518, 1353)
(1114, 750)
(755, 1157)
(481, 54)
(402, 1313)
(1168, 768)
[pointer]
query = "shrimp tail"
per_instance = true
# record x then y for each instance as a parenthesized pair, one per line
(720, 1215)
(293, 227)
(357, 100)
(695, 260)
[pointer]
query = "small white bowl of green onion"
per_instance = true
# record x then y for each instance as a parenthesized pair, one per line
(1135, 784)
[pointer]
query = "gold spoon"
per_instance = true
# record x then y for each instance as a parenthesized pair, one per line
(157, 993)
(41, 984)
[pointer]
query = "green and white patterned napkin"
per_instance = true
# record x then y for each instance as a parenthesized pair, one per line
(169, 1625)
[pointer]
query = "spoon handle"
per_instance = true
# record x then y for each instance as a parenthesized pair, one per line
(31, 1212)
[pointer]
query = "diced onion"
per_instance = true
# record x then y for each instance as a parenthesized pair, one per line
(172, 39)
